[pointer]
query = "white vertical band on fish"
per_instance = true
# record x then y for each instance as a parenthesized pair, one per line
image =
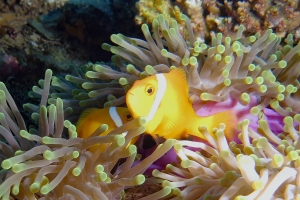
(161, 89)
(116, 118)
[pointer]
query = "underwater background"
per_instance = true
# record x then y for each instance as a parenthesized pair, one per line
(57, 59)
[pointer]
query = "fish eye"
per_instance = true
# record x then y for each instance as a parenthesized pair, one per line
(149, 89)
(128, 116)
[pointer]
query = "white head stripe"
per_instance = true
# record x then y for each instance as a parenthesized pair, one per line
(161, 89)
(115, 116)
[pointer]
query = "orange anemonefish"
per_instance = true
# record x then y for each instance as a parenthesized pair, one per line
(92, 118)
(164, 100)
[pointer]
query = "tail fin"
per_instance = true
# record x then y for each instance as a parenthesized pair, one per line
(230, 120)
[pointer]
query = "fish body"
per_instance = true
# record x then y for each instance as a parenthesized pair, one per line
(92, 118)
(164, 100)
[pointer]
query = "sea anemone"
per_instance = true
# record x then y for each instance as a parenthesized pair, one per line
(255, 76)
(243, 69)
(228, 68)
(52, 162)
(251, 170)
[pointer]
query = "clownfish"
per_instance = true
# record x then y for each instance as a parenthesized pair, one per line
(164, 100)
(92, 118)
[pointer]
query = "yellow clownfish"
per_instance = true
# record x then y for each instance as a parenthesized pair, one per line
(163, 99)
(92, 118)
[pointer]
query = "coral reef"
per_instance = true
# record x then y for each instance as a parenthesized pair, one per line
(257, 16)
(14, 14)
(214, 16)
(149, 10)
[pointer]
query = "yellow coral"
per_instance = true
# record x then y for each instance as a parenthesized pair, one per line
(148, 11)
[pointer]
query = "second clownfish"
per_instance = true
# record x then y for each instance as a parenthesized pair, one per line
(92, 118)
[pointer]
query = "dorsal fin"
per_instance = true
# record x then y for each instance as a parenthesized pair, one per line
(84, 114)
(179, 73)
(180, 76)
